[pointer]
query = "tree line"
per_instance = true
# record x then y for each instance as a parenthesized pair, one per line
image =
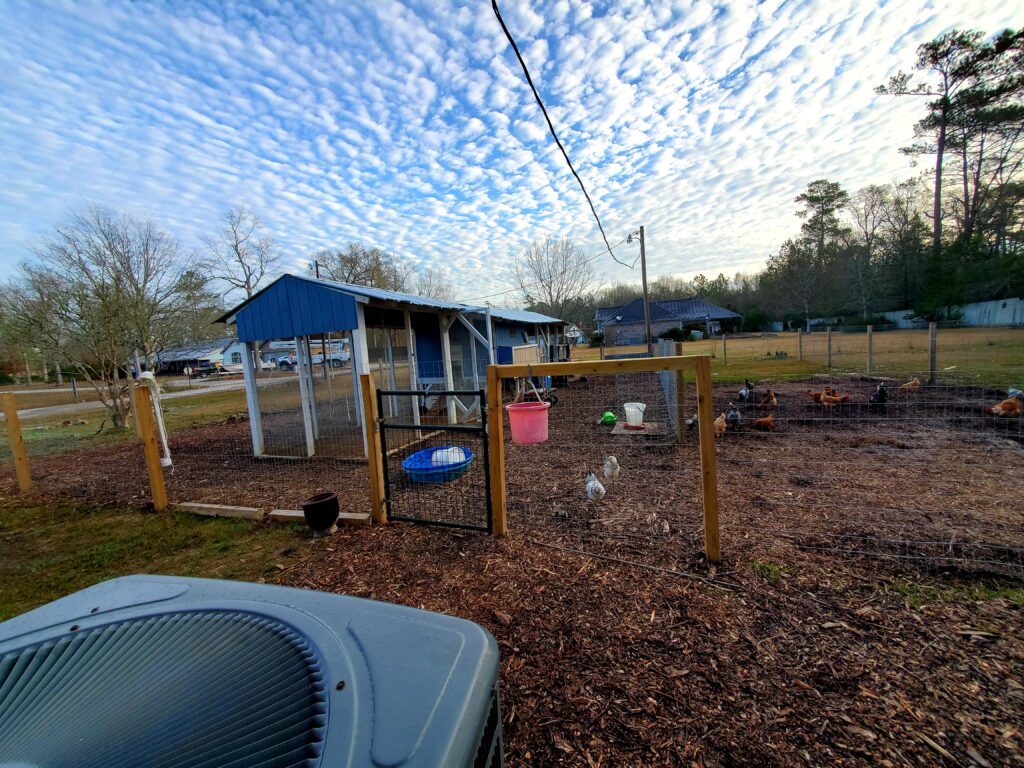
(106, 291)
(950, 235)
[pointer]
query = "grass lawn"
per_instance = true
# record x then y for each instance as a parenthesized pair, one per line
(53, 550)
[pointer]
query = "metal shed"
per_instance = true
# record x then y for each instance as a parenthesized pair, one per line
(406, 342)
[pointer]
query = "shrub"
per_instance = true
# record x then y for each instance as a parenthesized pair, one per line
(674, 334)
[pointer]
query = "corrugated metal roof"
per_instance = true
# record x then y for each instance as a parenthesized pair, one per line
(382, 294)
(196, 350)
(681, 310)
(523, 316)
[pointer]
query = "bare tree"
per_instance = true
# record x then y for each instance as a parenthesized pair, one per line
(101, 287)
(237, 255)
(432, 284)
(868, 209)
(359, 264)
(554, 275)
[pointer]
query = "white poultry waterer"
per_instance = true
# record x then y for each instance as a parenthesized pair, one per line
(634, 414)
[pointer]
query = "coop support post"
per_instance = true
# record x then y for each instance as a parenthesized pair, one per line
(871, 328)
(304, 394)
(496, 452)
(311, 384)
(800, 343)
(490, 337)
(708, 472)
(446, 359)
(680, 395)
(252, 400)
(378, 504)
(933, 338)
(360, 365)
(410, 345)
(21, 465)
(828, 344)
(142, 402)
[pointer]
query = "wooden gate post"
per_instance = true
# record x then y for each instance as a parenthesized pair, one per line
(496, 452)
(374, 457)
(21, 465)
(142, 402)
(681, 416)
(870, 329)
(708, 472)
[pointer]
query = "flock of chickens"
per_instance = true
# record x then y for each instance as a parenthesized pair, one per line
(829, 398)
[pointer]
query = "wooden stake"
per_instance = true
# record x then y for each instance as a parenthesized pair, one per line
(377, 491)
(828, 338)
(870, 329)
(933, 343)
(21, 465)
(142, 402)
(496, 451)
(680, 397)
(708, 472)
(725, 352)
(800, 343)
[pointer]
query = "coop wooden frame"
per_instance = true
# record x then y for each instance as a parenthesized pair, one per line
(700, 364)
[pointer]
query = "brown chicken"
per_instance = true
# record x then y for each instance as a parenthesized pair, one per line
(769, 400)
(911, 386)
(836, 399)
(1009, 407)
(719, 425)
(815, 396)
(829, 391)
(767, 424)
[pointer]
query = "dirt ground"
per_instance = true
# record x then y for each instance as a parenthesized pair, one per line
(867, 610)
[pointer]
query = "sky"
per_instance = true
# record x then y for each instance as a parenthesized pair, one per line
(409, 126)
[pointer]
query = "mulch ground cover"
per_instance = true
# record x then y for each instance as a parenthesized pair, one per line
(867, 610)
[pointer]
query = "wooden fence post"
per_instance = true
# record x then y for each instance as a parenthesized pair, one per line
(800, 343)
(708, 472)
(142, 402)
(680, 396)
(725, 352)
(933, 339)
(870, 329)
(496, 452)
(373, 449)
(828, 339)
(21, 465)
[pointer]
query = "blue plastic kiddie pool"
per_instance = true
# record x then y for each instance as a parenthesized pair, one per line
(421, 467)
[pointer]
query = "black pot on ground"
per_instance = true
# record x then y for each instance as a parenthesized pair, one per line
(321, 512)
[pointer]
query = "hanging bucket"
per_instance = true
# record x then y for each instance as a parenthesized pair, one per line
(528, 422)
(634, 414)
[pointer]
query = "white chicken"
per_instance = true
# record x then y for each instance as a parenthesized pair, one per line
(611, 468)
(747, 393)
(595, 491)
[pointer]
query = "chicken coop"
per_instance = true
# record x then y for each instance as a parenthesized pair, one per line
(404, 342)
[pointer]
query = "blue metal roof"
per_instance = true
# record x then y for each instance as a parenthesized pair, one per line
(296, 305)
(293, 306)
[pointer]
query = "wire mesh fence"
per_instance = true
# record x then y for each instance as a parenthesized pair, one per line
(435, 472)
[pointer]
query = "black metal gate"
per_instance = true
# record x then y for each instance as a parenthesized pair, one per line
(435, 473)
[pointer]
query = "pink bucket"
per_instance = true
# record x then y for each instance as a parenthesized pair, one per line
(528, 422)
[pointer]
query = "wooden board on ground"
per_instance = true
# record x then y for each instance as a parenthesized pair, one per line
(650, 429)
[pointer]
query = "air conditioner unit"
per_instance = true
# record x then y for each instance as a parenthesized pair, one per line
(164, 671)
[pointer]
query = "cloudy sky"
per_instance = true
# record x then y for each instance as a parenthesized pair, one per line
(409, 126)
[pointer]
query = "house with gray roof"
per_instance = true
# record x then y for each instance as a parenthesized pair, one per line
(625, 324)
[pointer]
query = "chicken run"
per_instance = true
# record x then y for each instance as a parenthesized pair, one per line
(866, 611)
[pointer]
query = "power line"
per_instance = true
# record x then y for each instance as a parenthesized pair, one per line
(551, 128)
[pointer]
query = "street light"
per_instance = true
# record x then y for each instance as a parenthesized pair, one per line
(639, 235)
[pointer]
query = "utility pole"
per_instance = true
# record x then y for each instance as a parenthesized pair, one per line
(647, 302)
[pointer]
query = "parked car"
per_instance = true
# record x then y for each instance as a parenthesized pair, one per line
(334, 359)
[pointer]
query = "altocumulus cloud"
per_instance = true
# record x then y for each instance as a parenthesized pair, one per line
(408, 125)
